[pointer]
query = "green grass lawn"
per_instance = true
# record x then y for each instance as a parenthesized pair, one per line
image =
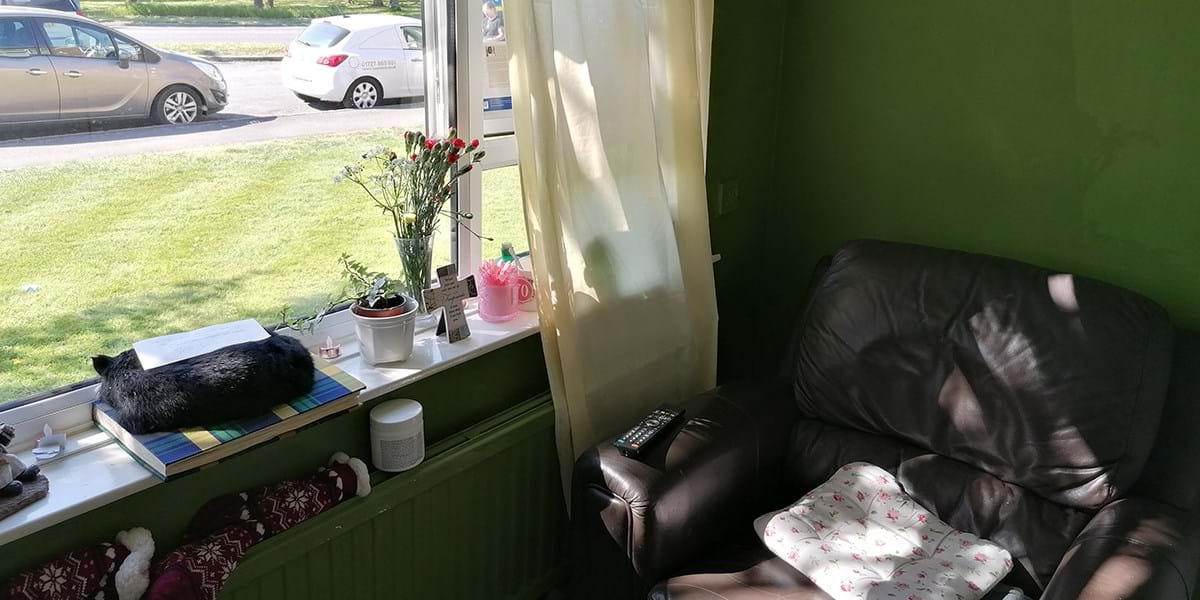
(235, 12)
(219, 49)
(136, 247)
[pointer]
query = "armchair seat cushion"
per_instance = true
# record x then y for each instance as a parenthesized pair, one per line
(859, 536)
(742, 571)
(1035, 531)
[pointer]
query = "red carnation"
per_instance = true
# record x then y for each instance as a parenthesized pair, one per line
(414, 156)
(458, 143)
(429, 144)
(474, 143)
(452, 157)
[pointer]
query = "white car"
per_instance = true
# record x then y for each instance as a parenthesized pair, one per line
(358, 60)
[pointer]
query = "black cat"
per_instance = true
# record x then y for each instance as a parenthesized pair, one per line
(238, 381)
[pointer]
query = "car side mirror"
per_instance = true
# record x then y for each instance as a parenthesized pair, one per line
(123, 62)
(150, 57)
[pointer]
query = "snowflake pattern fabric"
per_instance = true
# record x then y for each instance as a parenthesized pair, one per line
(859, 536)
(278, 506)
(80, 575)
(198, 571)
(225, 528)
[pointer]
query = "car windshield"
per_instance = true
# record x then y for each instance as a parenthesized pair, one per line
(322, 35)
(66, 5)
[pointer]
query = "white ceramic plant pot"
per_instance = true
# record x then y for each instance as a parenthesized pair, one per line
(386, 339)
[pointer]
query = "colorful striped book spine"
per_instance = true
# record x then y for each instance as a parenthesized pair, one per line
(163, 450)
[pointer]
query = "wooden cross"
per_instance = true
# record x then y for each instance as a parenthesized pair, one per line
(450, 294)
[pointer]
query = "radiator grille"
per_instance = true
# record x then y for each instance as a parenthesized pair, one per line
(483, 517)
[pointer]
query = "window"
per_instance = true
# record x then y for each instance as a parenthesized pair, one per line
(386, 39)
(495, 192)
(413, 38)
(322, 35)
(128, 50)
(63, 5)
(78, 41)
(503, 212)
(107, 243)
(17, 39)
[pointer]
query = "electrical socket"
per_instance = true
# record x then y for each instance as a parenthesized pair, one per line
(728, 197)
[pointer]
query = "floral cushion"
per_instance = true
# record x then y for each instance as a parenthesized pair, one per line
(860, 536)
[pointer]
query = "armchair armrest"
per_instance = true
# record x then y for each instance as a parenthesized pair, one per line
(636, 520)
(1132, 548)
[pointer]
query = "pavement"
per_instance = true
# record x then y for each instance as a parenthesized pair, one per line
(260, 109)
(181, 34)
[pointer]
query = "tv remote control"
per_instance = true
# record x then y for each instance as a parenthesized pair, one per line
(632, 442)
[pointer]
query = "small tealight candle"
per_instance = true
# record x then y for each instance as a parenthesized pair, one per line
(330, 349)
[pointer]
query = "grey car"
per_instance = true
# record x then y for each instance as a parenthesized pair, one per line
(56, 66)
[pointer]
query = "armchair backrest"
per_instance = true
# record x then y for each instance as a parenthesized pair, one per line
(1049, 381)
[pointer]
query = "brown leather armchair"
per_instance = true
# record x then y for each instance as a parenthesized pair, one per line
(1055, 416)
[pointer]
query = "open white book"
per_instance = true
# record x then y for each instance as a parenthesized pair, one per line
(166, 349)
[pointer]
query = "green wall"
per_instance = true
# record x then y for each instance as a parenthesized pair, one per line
(453, 400)
(1061, 133)
(747, 38)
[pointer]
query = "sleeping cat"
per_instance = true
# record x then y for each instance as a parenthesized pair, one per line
(238, 381)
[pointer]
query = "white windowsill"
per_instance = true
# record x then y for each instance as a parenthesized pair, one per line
(104, 473)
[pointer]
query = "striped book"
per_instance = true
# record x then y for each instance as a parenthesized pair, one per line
(173, 452)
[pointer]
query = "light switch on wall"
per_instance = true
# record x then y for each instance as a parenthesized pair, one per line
(728, 198)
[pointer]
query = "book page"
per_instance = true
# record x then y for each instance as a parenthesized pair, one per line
(164, 350)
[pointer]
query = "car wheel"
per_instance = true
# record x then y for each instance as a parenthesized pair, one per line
(177, 105)
(364, 93)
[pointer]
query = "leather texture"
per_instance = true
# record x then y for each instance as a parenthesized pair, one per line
(1169, 474)
(750, 572)
(1133, 548)
(1054, 416)
(1052, 384)
(642, 519)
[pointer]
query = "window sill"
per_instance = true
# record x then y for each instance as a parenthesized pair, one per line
(104, 473)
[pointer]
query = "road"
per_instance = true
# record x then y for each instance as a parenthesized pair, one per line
(255, 89)
(156, 35)
(260, 109)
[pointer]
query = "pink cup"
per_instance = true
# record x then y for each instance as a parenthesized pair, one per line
(498, 303)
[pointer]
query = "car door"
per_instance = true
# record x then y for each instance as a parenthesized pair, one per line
(414, 59)
(95, 80)
(380, 55)
(27, 72)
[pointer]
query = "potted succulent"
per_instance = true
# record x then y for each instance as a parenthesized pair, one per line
(384, 318)
(412, 188)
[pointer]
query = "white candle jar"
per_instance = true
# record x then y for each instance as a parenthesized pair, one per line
(397, 435)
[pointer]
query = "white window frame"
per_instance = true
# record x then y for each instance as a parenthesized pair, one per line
(500, 151)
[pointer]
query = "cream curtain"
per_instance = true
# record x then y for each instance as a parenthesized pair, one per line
(610, 101)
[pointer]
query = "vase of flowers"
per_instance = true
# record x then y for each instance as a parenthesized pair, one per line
(416, 262)
(412, 190)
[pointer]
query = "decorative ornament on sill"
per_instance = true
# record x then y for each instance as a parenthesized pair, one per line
(330, 350)
(50, 445)
(450, 295)
(20, 485)
(526, 295)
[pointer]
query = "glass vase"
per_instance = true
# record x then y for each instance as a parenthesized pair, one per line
(416, 264)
